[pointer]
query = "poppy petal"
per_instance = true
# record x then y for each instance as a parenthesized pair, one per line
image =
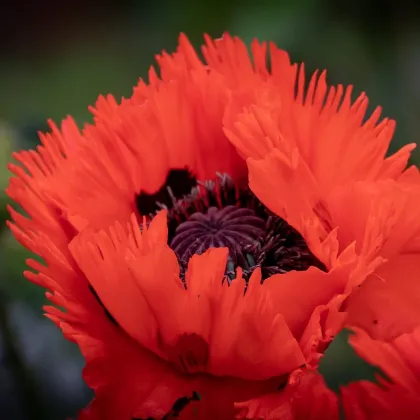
(297, 293)
(364, 400)
(129, 382)
(270, 351)
(397, 359)
(305, 397)
(378, 215)
(155, 308)
(385, 225)
(396, 395)
(321, 122)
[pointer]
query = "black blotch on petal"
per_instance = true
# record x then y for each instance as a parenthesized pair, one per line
(179, 181)
(176, 409)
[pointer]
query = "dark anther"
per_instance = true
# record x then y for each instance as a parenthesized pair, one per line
(176, 409)
(180, 404)
(178, 183)
(282, 249)
(218, 213)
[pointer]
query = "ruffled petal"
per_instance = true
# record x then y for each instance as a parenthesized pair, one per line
(303, 147)
(382, 218)
(397, 359)
(286, 186)
(139, 285)
(327, 225)
(129, 381)
(297, 293)
(386, 305)
(277, 181)
(270, 351)
(321, 122)
(93, 175)
(305, 397)
(365, 400)
(212, 398)
(397, 393)
(381, 215)
(325, 323)
(103, 263)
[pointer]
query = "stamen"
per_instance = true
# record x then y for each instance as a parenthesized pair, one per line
(282, 249)
(230, 227)
(216, 213)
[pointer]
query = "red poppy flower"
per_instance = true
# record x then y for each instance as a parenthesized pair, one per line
(203, 236)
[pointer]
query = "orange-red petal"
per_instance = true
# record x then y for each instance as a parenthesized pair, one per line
(365, 400)
(305, 397)
(398, 394)
(145, 295)
(328, 130)
(397, 359)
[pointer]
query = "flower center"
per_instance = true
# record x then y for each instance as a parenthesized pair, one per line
(232, 227)
(214, 214)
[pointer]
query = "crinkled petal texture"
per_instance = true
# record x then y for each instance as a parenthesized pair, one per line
(181, 324)
(129, 380)
(302, 143)
(301, 148)
(396, 395)
(314, 129)
(315, 160)
(305, 397)
(387, 303)
(174, 122)
(205, 326)
(286, 184)
(398, 359)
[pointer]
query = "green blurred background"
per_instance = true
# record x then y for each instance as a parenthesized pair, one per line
(56, 59)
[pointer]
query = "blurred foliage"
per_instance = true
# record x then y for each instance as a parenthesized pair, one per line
(13, 255)
(5, 156)
(6, 134)
(341, 365)
(12, 265)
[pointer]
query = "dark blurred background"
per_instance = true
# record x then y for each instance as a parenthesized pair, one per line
(55, 59)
